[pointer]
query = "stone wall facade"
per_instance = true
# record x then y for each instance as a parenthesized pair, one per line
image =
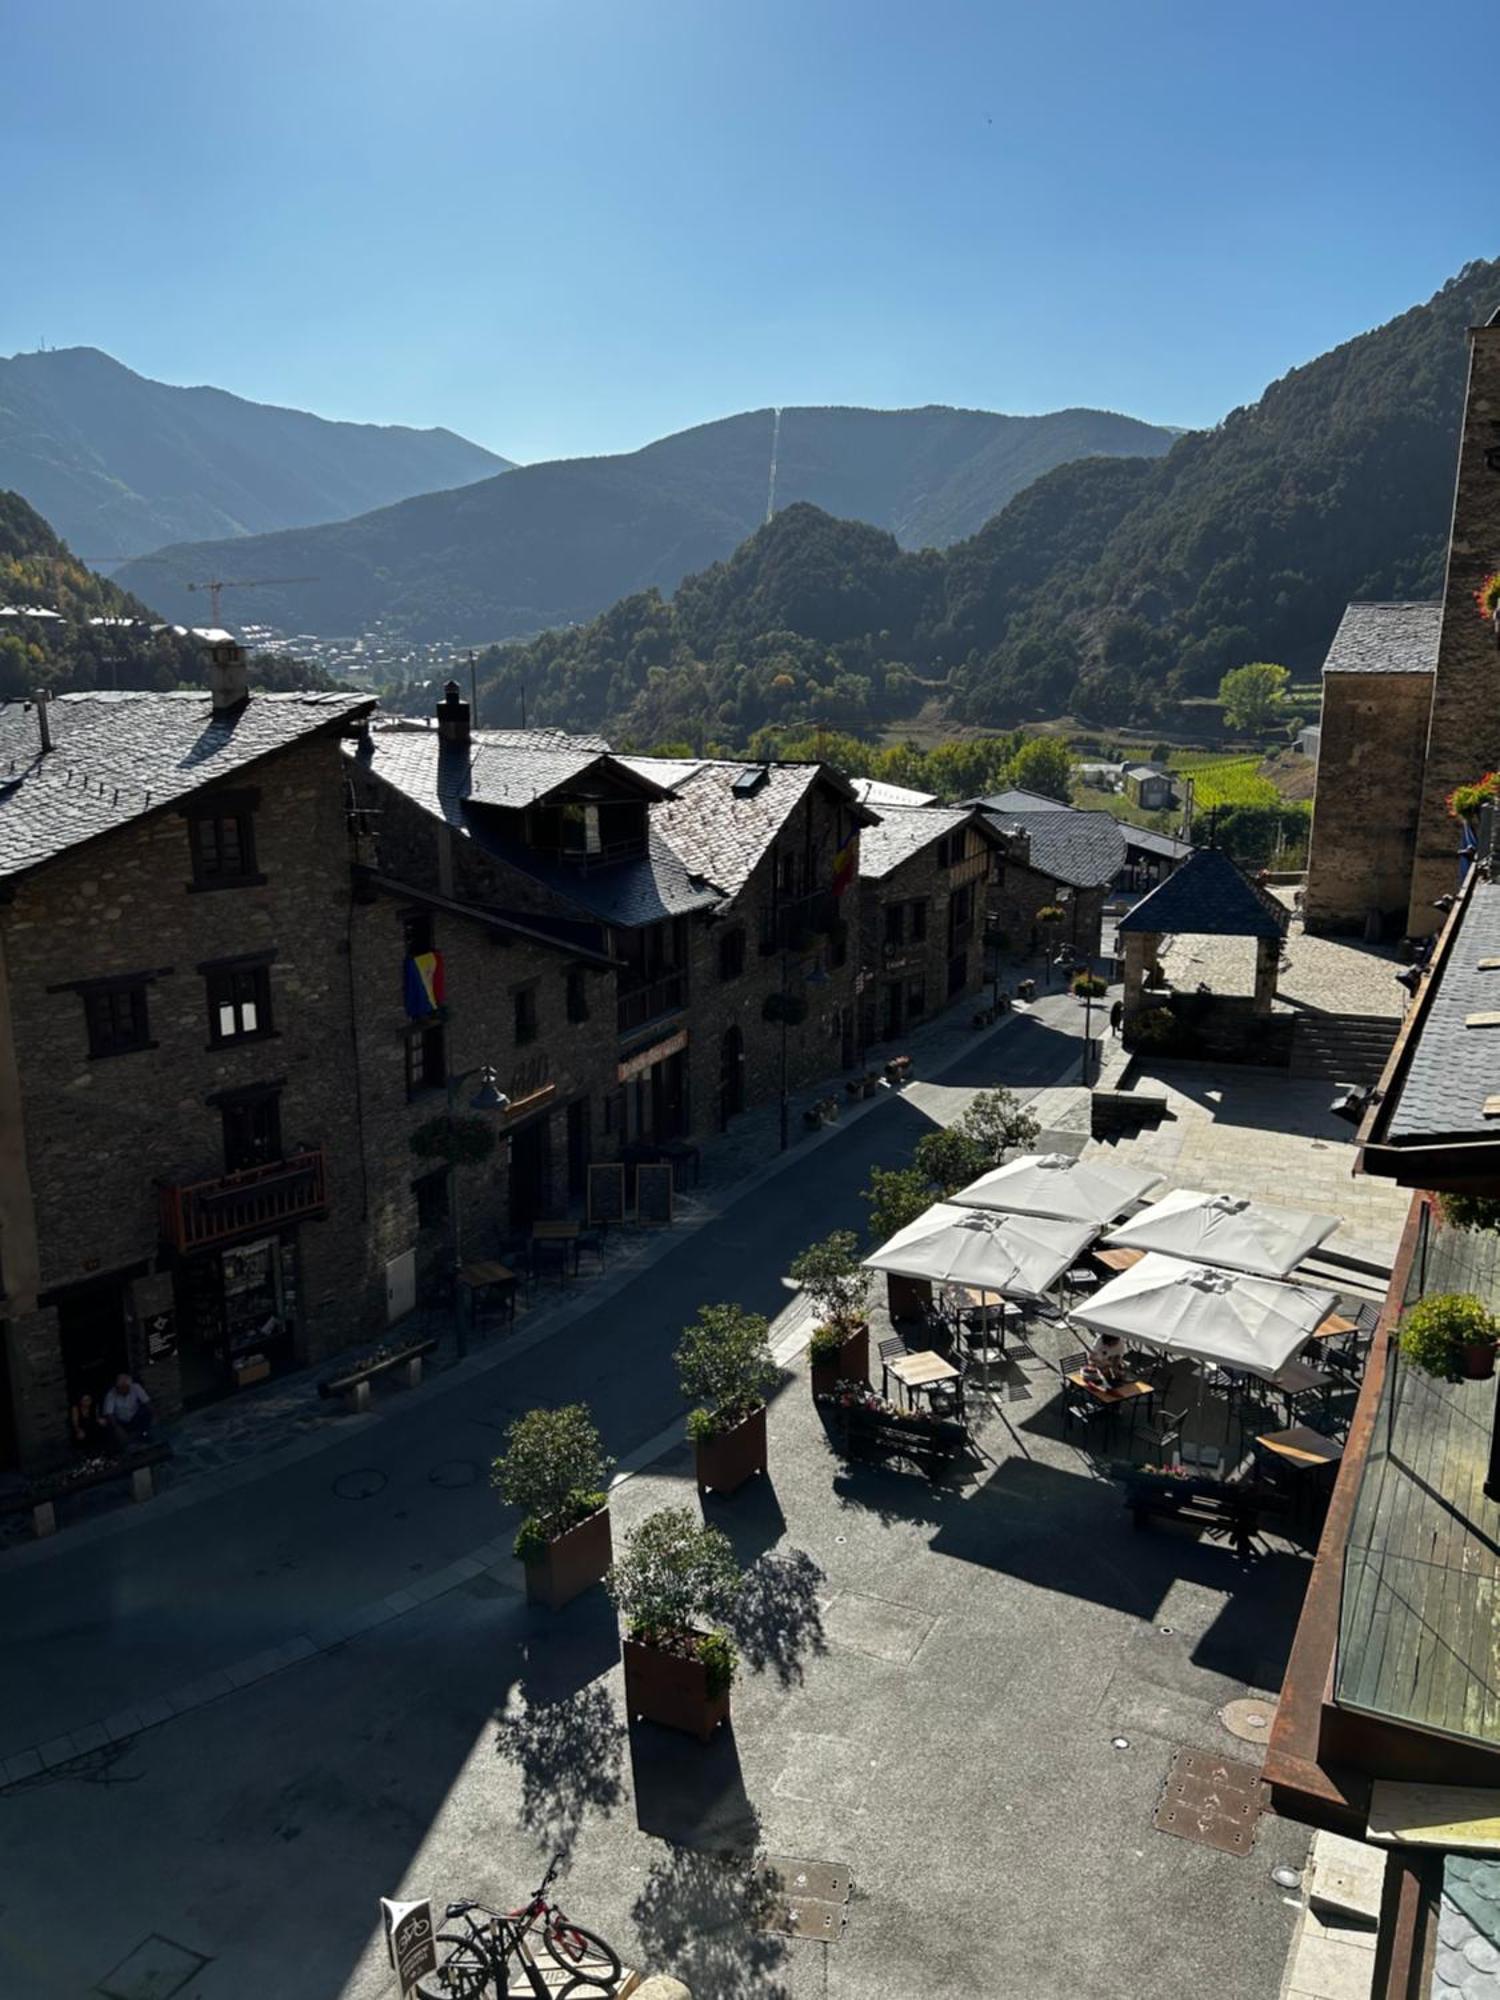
(1371, 756)
(92, 1280)
(914, 965)
(1463, 738)
(1017, 891)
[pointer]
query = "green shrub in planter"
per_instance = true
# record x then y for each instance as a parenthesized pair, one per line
(1050, 913)
(825, 1346)
(1470, 1211)
(555, 1469)
(674, 1575)
(724, 1362)
(1155, 1029)
(720, 1656)
(1088, 985)
(1437, 1331)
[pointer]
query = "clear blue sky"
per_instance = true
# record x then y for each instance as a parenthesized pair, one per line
(563, 226)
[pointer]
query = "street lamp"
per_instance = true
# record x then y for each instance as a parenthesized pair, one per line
(488, 1097)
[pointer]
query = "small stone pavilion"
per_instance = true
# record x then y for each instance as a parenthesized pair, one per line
(1208, 896)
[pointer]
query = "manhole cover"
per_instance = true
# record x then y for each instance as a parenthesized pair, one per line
(1248, 1719)
(1215, 1801)
(363, 1484)
(155, 1970)
(800, 1898)
(454, 1472)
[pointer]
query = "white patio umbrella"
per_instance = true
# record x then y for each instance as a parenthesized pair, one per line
(1223, 1318)
(1227, 1230)
(1008, 1254)
(1056, 1184)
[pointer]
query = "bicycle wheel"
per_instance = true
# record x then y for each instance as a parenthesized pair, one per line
(463, 1975)
(593, 1963)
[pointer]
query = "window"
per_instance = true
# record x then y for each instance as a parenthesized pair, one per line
(116, 1018)
(731, 955)
(239, 1003)
(431, 1192)
(895, 925)
(252, 1129)
(417, 932)
(426, 1058)
(526, 1015)
(916, 999)
(578, 993)
(221, 835)
(918, 923)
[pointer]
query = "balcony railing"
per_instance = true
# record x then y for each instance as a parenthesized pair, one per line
(647, 1003)
(199, 1214)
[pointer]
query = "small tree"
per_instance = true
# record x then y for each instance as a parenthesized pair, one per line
(1252, 696)
(1045, 765)
(897, 1196)
(1470, 1211)
(999, 1123)
(1438, 1329)
(831, 1275)
(949, 1158)
(675, 1574)
(726, 1367)
(555, 1470)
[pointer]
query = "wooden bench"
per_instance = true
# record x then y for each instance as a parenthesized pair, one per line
(1214, 1504)
(356, 1381)
(932, 1443)
(41, 1496)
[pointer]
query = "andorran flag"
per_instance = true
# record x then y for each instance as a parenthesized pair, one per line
(422, 984)
(844, 864)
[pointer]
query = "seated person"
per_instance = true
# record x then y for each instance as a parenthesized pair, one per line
(87, 1430)
(127, 1412)
(1108, 1355)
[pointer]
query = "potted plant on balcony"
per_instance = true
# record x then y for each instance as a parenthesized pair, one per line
(554, 1470)
(831, 1274)
(1452, 1335)
(726, 1369)
(675, 1577)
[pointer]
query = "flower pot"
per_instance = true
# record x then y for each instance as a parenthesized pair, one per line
(850, 1364)
(727, 1461)
(573, 1562)
(672, 1689)
(1478, 1361)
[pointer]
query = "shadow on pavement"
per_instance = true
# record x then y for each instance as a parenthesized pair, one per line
(692, 1923)
(777, 1619)
(563, 1651)
(752, 1517)
(571, 1757)
(691, 1793)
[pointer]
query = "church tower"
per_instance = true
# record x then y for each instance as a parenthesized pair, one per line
(1463, 735)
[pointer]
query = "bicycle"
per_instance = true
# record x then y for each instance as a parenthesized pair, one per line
(479, 1957)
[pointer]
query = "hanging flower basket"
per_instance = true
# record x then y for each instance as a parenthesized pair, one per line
(1487, 597)
(1466, 801)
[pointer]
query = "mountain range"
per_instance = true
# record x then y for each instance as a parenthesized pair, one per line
(553, 543)
(120, 464)
(1108, 588)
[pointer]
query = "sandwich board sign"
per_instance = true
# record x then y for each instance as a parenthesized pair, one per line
(409, 1940)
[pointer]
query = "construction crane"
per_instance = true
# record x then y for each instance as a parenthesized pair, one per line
(215, 584)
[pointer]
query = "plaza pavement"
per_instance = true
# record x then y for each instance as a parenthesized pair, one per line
(350, 1698)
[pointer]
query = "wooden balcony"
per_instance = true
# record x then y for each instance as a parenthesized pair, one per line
(198, 1215)
(641, 1004)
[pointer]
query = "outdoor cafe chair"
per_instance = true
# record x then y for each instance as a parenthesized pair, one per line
(1083, 1411)
(1163, 1429)
(947, 1398)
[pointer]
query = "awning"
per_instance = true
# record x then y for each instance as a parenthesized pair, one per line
(1008, 1254)
(1226, 1230)
(1057, 1185)
(1221, 1317)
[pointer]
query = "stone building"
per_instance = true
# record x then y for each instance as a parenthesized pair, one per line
(179, 1153)
(1377, 691)
(923, 893)
(1051, 856)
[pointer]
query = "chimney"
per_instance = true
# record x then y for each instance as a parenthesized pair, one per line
(44, 720)
(226, 673)
(453, 719)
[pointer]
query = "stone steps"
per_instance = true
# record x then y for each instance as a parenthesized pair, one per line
(1342, 1048)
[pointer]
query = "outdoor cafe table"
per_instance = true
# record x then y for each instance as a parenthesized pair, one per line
(1296, 1379)
(1118, 1260)
(1332, 1327)
(1114, 1396)
(483, 1273)
(920, 1370)
(1302, 1447)
(564, 1233)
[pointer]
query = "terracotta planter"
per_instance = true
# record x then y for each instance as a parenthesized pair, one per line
(726, 1462)
(1478, 1361)
(850, 1364)
(573, 1563)
(663, 1687)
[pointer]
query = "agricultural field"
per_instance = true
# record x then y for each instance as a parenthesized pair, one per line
(1227, 781)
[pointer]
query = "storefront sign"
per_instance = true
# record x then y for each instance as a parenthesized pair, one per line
(645, 1059)
(161, 1336)
(409, 1940)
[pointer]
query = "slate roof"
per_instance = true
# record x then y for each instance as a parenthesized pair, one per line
(510, 768)
(1165, 844)
(903, 831)
(876, 794)
(118, 756)
(626, 893)
(1207, 897)
(1452, 1068)
(1386, 639)
(721, 835)
(1009, 802)
(1085, 850)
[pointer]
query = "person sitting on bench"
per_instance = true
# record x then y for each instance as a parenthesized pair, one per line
(127, 1412)
(87, 1431)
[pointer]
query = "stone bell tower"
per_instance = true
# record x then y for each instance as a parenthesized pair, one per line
(1463, 734)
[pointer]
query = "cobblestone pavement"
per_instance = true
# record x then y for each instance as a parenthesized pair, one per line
(1332, 975)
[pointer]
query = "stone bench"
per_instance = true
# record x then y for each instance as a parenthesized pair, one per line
(1112, 1111)
(356, 1381)
(41, 1496)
